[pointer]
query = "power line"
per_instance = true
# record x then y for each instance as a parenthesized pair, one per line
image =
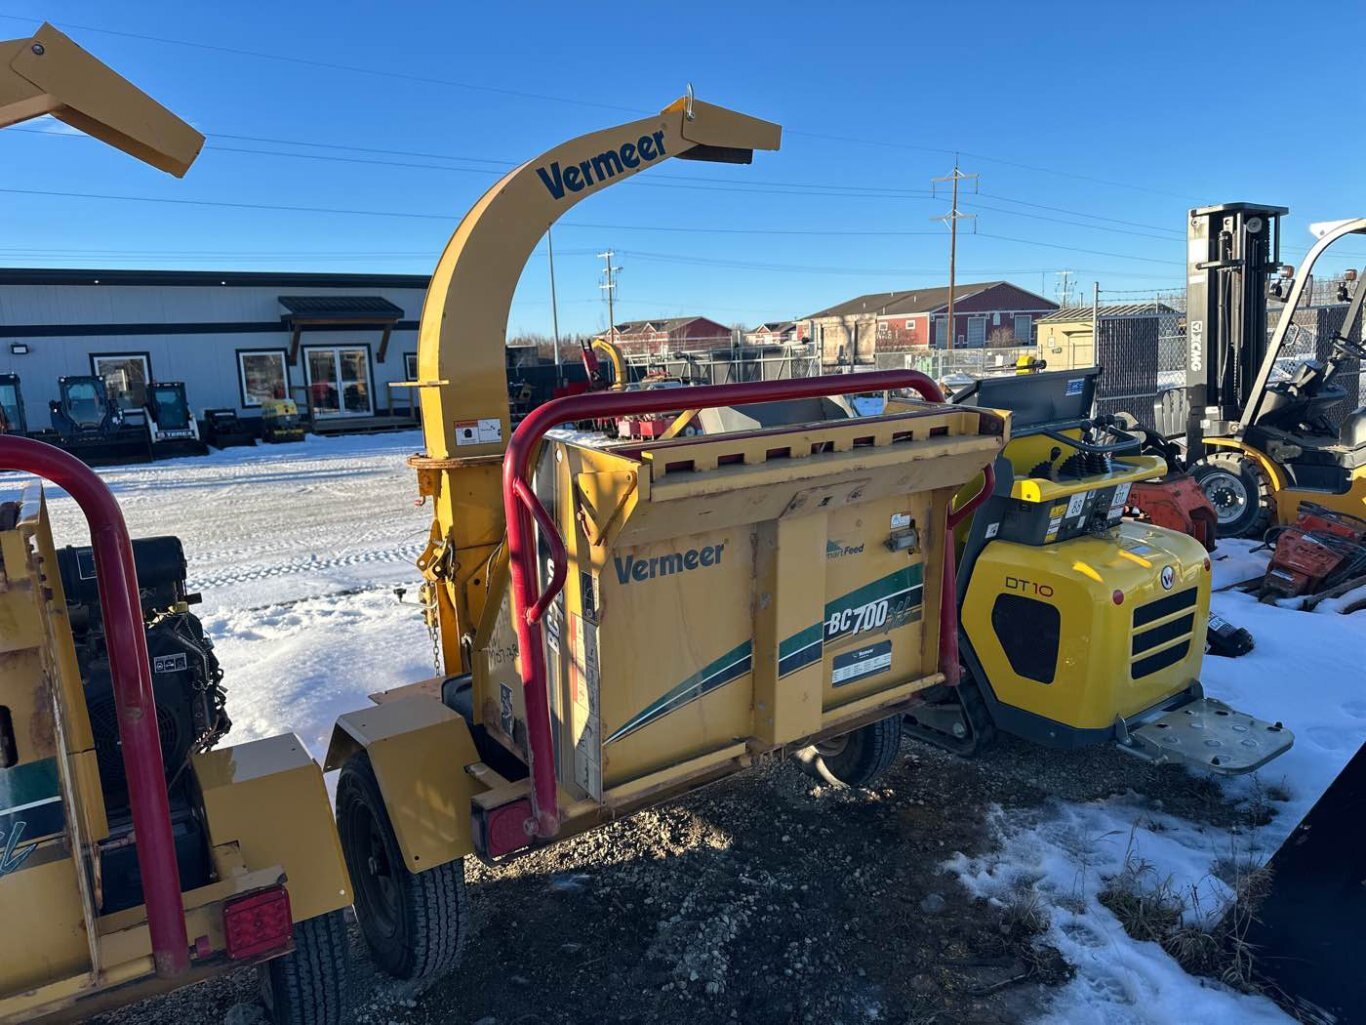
(332, 66)
(522, 94)
(654, 181)
(447, 218)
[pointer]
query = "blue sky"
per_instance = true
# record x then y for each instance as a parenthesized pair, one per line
(1084, 121)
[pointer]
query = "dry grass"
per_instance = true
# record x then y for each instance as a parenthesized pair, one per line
(1204, 941)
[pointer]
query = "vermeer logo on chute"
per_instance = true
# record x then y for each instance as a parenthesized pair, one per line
(598, 169)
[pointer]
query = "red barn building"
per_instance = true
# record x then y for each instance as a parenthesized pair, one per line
(984, 314)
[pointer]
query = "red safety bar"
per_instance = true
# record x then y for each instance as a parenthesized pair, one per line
(521, 506)
(135, 705)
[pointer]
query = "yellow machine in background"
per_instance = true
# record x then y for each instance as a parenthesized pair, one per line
(249, 866)
(1080, 626)
(280, 421)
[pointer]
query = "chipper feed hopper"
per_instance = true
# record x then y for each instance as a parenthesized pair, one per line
(623, 621)
(134, 857)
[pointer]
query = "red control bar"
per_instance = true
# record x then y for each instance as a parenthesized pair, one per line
(121, 609)
(521, 507)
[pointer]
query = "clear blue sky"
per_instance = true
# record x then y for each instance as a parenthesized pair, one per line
(1109, 119)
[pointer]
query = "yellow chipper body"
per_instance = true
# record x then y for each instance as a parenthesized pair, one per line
(728, 596)
(624, 621)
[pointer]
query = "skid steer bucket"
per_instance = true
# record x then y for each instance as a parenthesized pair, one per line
(1305, 936)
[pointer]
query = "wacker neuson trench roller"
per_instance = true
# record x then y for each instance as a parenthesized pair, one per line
(625, 620)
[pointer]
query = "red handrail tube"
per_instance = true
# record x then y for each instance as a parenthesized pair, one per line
(520, 506)
(121, 609)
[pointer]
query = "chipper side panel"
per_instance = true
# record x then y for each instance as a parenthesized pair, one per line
(731, 596)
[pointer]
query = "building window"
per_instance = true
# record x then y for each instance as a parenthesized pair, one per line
(1024, 328)
(263, 376)
(977, 331)
(125, 377)
(338, 380)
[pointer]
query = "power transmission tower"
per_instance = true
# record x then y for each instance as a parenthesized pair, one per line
(609, 285)
(1064, 287)
(951, 219)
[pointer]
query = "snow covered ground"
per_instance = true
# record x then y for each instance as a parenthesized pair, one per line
(298, 548)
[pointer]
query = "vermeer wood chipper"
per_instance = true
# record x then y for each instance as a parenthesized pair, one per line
(624, 621)
(133, 858)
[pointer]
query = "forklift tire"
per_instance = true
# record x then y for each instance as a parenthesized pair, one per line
(415, 924)
(1239, 492)
(309, 986)
(858, 758)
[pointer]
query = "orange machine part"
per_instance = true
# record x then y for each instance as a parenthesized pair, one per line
(1176, 502)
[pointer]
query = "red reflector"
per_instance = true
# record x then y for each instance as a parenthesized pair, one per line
(1118, 597)
(257, 923)
(1207, 564)
(505, 828)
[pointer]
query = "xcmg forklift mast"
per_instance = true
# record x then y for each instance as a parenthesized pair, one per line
(1231, 251)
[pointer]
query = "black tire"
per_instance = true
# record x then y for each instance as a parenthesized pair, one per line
(858, 758)
(309, 986)
(1239, 492)
(415, 924)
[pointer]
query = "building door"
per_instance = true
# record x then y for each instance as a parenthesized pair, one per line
(977, 332)
(338, 380)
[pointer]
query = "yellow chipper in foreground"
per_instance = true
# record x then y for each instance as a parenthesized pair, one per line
(133, 857)
(623, 620)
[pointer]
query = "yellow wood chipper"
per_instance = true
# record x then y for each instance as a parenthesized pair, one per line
(134, 857)
(623, 620)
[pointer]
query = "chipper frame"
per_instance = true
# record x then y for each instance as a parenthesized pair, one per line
(93, 848)
(624, 621)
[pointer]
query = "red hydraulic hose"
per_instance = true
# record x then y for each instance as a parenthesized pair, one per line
(121, 609)
(521, 506)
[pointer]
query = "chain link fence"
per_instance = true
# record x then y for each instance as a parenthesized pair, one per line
(728, 365)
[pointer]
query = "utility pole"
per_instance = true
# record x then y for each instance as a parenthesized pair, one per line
(951, 219)
(609, 285)
(554, 305)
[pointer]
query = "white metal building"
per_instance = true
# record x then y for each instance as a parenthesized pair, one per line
(332, 342)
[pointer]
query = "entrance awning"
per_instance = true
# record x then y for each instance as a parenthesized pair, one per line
(371, 311)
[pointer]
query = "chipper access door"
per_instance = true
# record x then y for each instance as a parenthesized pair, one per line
(623, 621)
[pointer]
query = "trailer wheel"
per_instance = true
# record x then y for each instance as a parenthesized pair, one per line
(414, 923)
(1239, 492)
(309, 986)
(858, 758)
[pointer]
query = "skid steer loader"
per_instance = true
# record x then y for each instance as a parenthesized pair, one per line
(135, 856)
(625, 619)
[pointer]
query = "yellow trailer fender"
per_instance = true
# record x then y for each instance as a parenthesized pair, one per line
(419, 750)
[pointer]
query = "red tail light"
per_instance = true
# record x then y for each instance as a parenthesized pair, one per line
(503, 829)
(257, 923)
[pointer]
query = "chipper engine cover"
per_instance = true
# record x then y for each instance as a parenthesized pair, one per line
(729, 595)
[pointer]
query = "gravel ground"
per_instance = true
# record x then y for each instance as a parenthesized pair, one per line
(764, 899)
